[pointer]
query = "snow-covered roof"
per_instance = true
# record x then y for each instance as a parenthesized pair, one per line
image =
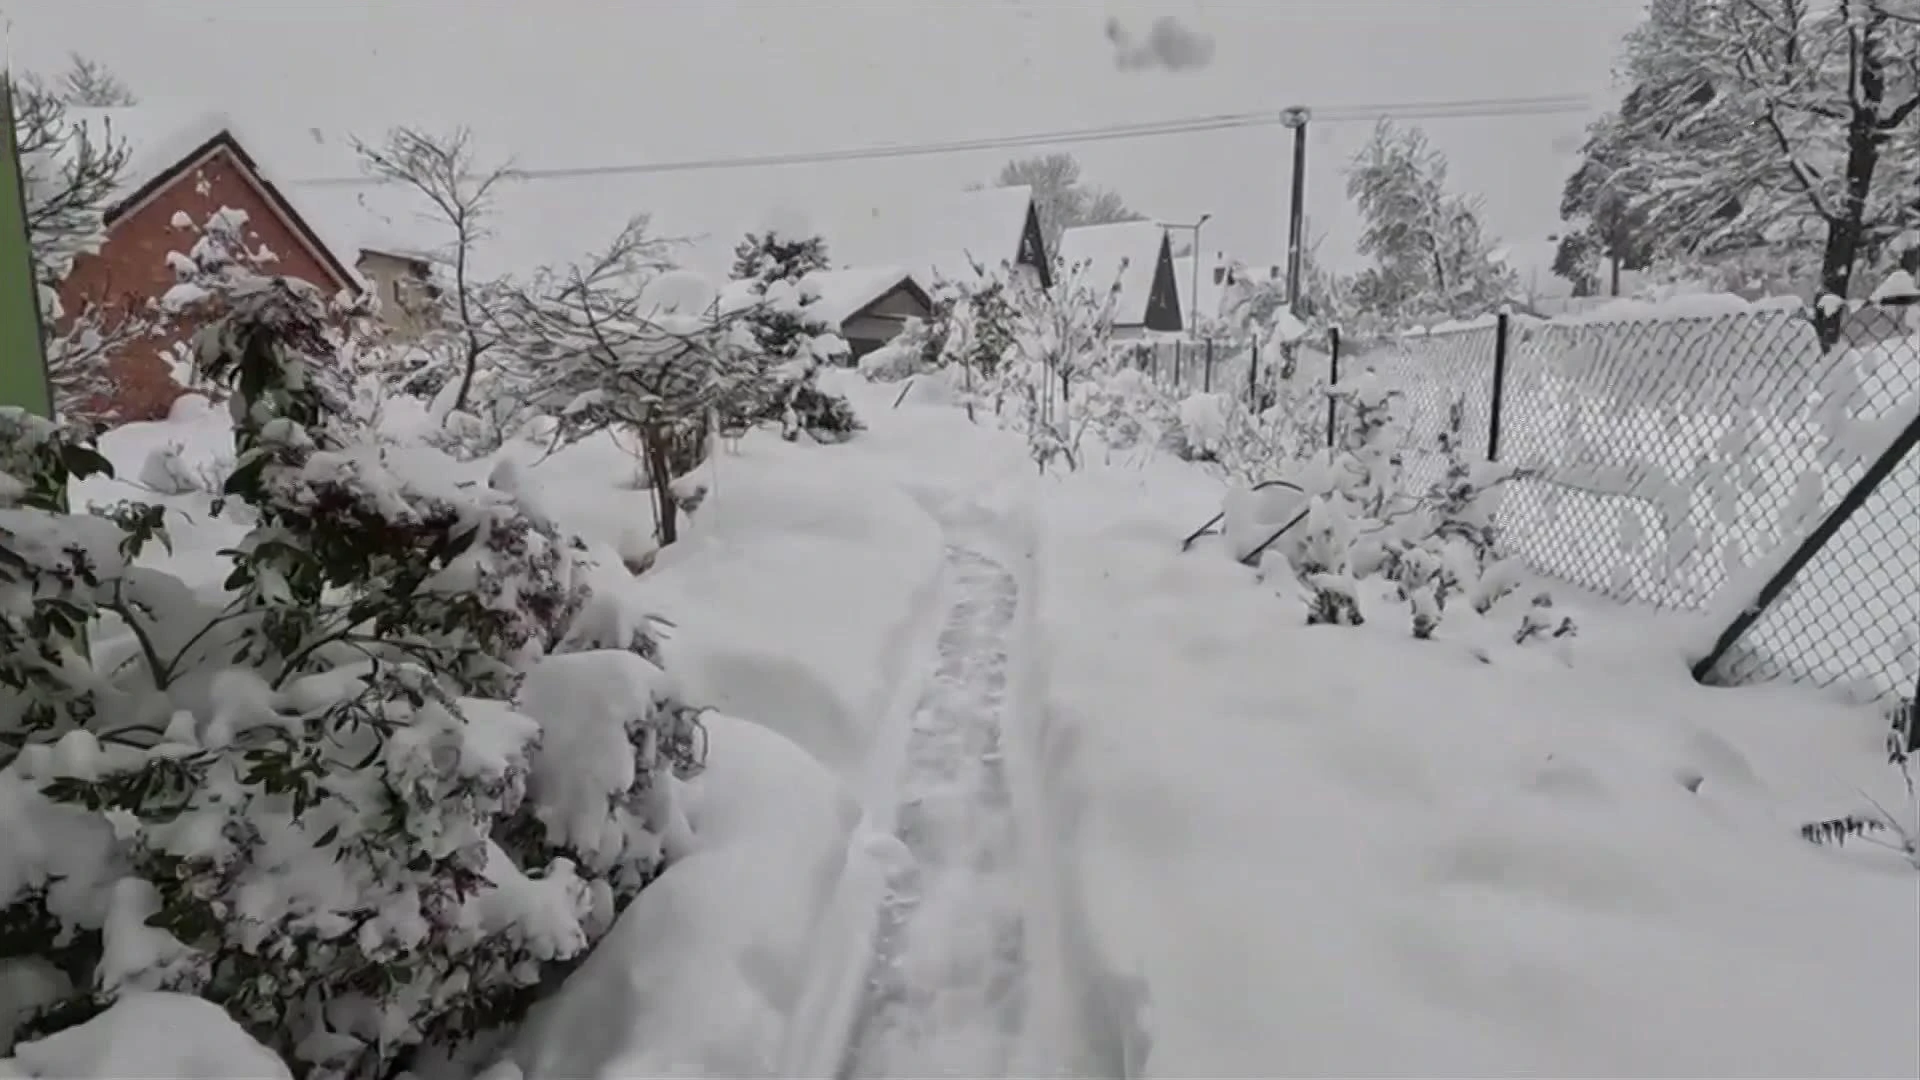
(843, 293)
(1212, 293)
(937, 235)
(160, 139)
(1125, 251)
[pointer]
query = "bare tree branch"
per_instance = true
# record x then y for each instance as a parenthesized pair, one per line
(443, 171)
(88, 84)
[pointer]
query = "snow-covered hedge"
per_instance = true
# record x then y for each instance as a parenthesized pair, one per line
(404, 770)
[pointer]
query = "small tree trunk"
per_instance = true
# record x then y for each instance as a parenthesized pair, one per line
(660, 472)
(464, 301)
(1841, 253)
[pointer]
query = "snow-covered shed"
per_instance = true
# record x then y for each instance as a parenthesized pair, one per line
(939, 237)
(869, 306)
(1137, 255)
(180, 169)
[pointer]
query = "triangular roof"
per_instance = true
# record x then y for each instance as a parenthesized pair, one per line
(843, 294)
(1212, 294)
(1138, 256)
(164, 146)
(940, 236)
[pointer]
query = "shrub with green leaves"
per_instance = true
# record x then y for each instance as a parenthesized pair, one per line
(321, 799)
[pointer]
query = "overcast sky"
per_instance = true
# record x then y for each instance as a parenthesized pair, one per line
(573, 82)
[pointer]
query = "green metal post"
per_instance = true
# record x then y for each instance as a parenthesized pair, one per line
(23, 362)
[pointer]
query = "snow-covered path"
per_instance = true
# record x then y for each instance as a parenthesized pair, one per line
(947, 991)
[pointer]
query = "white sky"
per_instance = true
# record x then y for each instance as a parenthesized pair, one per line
(572, 82)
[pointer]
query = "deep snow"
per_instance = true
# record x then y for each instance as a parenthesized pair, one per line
(1341, 851)
(1234, 845)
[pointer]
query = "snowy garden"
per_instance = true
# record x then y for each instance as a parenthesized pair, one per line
(621, 679)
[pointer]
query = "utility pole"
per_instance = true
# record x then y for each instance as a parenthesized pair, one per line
(1296, 117)
(1193, 292)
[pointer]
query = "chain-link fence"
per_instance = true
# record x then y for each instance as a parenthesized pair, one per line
(1690, 462)
(1236, 368)
(1203, 365)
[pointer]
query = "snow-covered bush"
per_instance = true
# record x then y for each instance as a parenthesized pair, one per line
(324, 800)
(918, 348)
(975, 319)
(149, 1034)
(1360, 535)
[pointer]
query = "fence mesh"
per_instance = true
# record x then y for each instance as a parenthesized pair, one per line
(1194, 366)
(1434, 370)
(1671, 459)
(1237, 368)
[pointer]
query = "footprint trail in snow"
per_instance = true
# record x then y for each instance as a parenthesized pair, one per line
(946, 995)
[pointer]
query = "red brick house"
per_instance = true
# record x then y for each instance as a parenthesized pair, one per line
(193, 173)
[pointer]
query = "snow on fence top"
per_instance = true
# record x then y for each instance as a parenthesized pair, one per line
(1127, 252)
(1690, 306)
(934, 236)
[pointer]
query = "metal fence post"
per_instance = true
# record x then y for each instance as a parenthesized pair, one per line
(1913, 719)
(1855, 497)
(1333, 380)
(1179, 366)
(1501, 328)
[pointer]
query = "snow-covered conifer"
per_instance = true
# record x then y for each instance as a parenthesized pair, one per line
(793, 340)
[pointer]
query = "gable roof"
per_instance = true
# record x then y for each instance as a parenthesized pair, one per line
(162, 147)
(1211, 294)
(843, 294)
(939, 235)
(1129, 252)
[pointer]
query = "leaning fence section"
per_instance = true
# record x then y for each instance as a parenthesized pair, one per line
(1844, 607)
(1670, 461)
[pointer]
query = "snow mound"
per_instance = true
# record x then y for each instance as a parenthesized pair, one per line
(149, 1034)
(1513, 855)
(702, 973)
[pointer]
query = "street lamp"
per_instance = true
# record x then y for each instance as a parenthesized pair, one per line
(1193, 293)
(1296, 118)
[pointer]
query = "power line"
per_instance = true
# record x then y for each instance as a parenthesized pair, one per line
(1472, 108)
